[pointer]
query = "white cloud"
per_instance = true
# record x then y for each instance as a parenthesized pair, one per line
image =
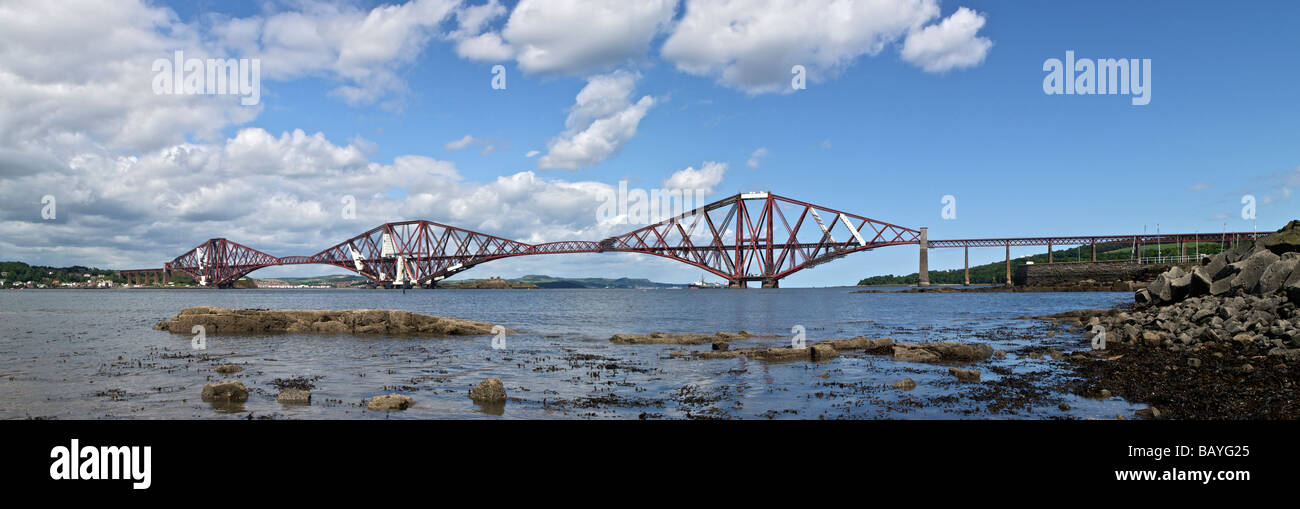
(756, 157)
(705, 179)
(602, 120)
(532, 153)
(460, 143)
(565, 36)
(752, 45)
(951, 44)
(363, 49)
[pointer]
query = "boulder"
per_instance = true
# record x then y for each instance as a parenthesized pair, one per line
(390, 402)
(1159, 289)
(1221, 286)
(1201, 281)
(228, 368)
(1215, 264)
(906, 384)
(227, 391)
(489, 391)
(1276, 274)
(689, 338)
(294, 397)
(1142, 296)
(1252, 269)
(1292, 287)
(965, 375)
(1181, 286)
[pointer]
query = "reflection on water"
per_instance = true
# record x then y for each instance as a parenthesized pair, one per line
(94, 354)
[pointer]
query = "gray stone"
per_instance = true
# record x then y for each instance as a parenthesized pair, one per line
(228, 368)
(1221, 286)
(1201, 281)
(1252, 268)
(1159, 289)
(1285, 240)
(1180, 287)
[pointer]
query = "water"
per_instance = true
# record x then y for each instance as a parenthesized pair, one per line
(87, 354)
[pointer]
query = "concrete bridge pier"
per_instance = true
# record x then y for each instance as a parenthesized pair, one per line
(1008, 263)
(965, 280)
(923, 272)
(771, 283)
(736, 284)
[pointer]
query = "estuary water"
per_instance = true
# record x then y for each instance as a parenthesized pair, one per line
(93, 354)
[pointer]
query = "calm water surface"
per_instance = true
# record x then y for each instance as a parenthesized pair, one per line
(87, 354)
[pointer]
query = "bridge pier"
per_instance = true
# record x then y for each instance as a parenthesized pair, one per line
(771, 283)
(965, 280)
(736, 284)
(1008, 263)
(923, 272)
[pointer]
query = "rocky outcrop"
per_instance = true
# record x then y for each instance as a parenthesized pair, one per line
(1262, 269)
(355, 321)
(906, 384)
(489, 391)
(227, 391)
(390, 402)
(294, 397)
(661, 338)
(941, 351)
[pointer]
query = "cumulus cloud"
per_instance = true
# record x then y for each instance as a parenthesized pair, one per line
(602, 120)
(564, 36)
(752, 45)
(364, 49)
(951, 44)
(704, 179)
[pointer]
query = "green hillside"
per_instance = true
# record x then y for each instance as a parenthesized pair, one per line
(995, 273)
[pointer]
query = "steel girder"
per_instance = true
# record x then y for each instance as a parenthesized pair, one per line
(760, 237)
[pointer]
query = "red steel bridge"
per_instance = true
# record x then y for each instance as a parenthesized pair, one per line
(748, 237)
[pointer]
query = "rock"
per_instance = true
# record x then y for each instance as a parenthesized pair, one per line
(1214, 265)
(1276, 274)
(228, 368)
(1151, 338)
(906, 384)
(1142, 296)
(721, 346)
(1221, 286)
(823, 352)
(660, 338)
(1193, 362)
(1201, 281)
(1105, 394)
(1251, 270)
(1285, 240)
(1180, 287)
(230, 390)
(489, 391)
(354, 321)
(882, 345)
(945, 351)
(1148, 413)
(1064, 407)
(390, 402)
(294, 397)
(1159, 289)
(1287, 354)
(965, 375)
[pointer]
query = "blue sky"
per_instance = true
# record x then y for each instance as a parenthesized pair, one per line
(877, 135)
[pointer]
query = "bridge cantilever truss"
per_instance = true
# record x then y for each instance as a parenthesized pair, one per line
(745, 237)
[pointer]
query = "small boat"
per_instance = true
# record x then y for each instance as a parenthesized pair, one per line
(702, 285)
